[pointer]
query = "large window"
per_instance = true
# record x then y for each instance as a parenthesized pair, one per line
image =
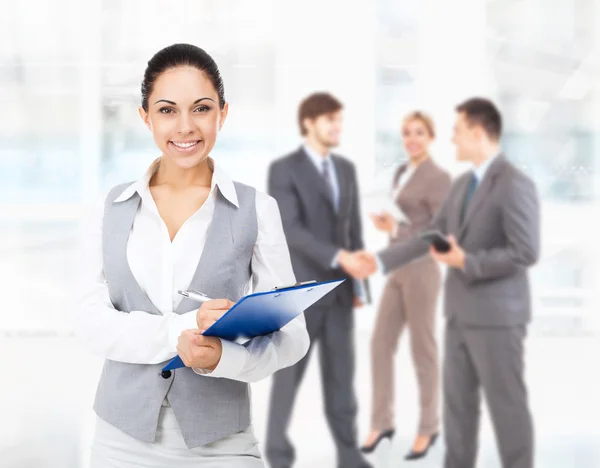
(538, 66)
(542, 64)
(70, 128)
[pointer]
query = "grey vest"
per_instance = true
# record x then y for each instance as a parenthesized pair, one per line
(129, 396)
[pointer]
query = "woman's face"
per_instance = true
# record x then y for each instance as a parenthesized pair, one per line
(184, 115)
(416, 138)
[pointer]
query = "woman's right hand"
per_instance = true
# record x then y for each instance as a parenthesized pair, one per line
(211, 311)
(384, 222)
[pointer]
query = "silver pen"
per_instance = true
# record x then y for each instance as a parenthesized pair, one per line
(194, 295)
(295, 285)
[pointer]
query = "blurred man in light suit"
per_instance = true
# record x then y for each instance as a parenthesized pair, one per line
(492, 221)
(318, 198)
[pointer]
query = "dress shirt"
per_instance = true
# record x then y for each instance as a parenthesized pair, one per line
(482, 169)
(318, 162)
(162, 267)
(402, 180)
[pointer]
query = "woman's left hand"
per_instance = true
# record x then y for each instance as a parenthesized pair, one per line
(198, 351)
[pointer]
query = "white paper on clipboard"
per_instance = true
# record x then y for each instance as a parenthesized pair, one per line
(392, 208)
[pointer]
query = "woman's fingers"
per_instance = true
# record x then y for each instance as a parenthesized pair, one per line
(218, 304)
(211, 311)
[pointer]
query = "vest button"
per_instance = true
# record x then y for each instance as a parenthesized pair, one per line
(166, 374)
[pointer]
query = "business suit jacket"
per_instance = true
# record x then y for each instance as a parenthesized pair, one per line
(420, 198)
(501, 238)
(314, 230)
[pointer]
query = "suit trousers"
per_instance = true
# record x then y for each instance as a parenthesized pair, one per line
(333, 328)
(409, 300)
(488, 359)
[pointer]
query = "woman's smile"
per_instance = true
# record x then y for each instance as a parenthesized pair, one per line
(184, 146)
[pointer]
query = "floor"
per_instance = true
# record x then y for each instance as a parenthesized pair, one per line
(49, 386)
(48, 382)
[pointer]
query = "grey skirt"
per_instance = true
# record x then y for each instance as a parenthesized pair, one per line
(112, 448)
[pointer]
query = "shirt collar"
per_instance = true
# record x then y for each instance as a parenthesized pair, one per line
(139, 186)
(315, 157)
(220, 179)
(225, 183)
(483, 167)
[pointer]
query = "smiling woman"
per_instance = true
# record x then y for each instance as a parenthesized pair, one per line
(183, 103)
(184, 224)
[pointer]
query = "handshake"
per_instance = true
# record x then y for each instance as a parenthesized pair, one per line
(360, 264)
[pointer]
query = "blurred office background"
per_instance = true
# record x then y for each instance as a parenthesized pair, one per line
(70, 74)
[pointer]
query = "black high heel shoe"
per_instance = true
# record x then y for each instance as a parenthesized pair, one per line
(389, 434)
(412, 455)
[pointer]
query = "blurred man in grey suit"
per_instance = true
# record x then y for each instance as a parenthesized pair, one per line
(318, 198)
(491, 218)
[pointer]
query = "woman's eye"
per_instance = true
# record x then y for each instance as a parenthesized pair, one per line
(165, 110)
(202, 109)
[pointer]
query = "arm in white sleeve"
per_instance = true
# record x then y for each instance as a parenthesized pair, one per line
(335, 263)
(271, 266)
(137, 337)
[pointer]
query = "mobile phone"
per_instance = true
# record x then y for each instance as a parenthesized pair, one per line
(436, 239)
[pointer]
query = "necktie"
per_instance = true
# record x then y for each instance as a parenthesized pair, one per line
(468, 195)
(328, 182)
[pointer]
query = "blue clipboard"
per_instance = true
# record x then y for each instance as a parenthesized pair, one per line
(263, 313)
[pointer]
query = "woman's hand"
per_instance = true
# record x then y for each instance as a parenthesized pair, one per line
(201, 352)
(211, 311)
(384, 221)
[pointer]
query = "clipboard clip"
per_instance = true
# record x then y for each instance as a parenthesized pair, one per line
(276, 288)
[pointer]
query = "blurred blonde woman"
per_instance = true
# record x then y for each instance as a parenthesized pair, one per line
(410, 295)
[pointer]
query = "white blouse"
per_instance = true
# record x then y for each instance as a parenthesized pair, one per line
(402, 180)
(162, 267)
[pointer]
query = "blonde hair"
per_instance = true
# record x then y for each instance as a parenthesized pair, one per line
(422, 117)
